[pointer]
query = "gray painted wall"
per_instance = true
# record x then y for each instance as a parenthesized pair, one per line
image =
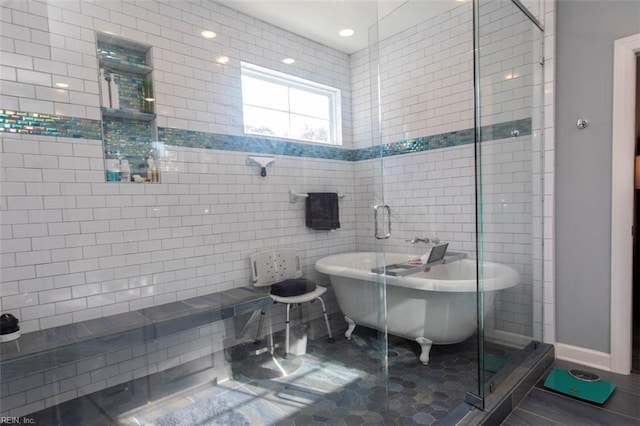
(585, 34)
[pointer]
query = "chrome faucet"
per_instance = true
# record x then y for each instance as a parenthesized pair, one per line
(425, 240)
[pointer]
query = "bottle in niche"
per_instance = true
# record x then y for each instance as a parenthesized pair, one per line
(125, 171)
(104, 90)
(152, 170)
(113, 90)
(113, 170)
(146, 96)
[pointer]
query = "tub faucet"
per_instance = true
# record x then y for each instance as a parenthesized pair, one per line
(417, 240)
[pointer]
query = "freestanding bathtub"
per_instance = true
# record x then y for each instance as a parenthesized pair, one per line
(433, 307)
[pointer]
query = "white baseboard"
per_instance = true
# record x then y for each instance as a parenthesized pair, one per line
(584, 356)
(507, 338)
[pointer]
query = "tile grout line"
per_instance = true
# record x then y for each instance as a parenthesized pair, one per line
(566, 397)
(535, 414)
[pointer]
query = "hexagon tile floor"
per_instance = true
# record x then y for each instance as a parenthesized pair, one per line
(333, 383)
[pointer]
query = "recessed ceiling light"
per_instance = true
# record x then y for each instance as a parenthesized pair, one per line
(222, 59)
(347, 32)
(288, 61)
(150, 99)
(62, 85)
(208, 34)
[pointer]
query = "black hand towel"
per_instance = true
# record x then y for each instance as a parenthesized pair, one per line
(322, 211)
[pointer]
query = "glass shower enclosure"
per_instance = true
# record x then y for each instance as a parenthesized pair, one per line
(509, 64)
(456, 113)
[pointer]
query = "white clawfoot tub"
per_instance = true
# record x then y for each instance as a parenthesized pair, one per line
(433, 307)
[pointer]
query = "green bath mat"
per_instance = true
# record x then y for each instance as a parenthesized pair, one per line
(593, 391)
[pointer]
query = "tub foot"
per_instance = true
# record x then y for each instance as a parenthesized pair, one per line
(352, 326)
(425, 344)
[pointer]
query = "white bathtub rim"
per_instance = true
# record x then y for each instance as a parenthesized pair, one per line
(507, 278)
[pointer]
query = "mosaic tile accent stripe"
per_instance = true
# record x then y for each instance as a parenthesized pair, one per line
(193, 139)
(444, 140)
(410, 146)
(53, 125)
(33, 123)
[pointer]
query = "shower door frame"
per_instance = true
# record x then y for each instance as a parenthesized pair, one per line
(479, 399)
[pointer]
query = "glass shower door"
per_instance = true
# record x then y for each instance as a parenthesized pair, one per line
(421, 65)
(509, 186)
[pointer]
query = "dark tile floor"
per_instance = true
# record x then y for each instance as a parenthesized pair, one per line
(545, 407)
(340, 383)
(335, 384)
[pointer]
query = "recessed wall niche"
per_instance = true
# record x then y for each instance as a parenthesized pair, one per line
(128, 109)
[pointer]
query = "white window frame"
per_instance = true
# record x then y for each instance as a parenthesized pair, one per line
(332, 93)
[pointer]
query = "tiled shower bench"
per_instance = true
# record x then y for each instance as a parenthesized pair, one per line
(55, 347)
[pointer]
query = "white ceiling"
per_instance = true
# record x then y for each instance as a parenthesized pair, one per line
(320, 20)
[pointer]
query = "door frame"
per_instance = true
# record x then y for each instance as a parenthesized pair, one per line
(622, 196)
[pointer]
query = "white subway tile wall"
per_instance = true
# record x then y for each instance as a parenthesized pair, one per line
(123, 246)
(426, 79)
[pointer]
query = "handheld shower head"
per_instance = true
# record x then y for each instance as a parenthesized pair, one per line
(263, 162)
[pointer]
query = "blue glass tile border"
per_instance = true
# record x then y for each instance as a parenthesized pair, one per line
(271, 146)
(56, 125)
(410, 146)
(33, 123)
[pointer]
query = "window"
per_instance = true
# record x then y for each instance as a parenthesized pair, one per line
(284, 106)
